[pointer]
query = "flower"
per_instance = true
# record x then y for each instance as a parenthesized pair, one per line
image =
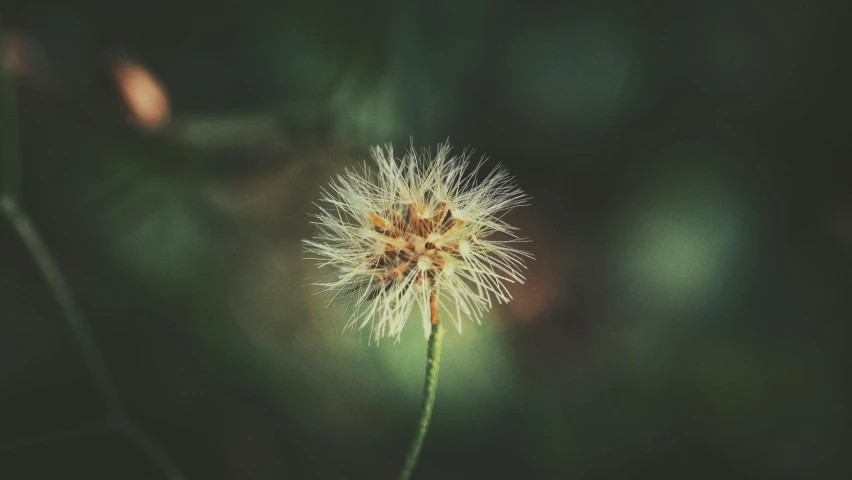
(417, 230)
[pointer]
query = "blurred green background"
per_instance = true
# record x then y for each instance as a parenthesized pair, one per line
(687, 315)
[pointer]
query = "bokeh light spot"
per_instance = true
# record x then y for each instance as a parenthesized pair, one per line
(143, 94)
(684, 232)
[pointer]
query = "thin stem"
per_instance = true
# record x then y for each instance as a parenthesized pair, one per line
(430, 386)
(92, 357)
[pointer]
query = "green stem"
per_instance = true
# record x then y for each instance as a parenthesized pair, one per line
(92, 357)
(430, 386)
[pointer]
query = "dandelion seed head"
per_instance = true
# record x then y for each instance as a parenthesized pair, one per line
(405, 232)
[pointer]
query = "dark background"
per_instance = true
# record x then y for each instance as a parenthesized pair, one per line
(687, 315)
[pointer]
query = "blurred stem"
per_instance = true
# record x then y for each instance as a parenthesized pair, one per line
(93, 358)
(96, 365)
(430, 386)
(10, 153)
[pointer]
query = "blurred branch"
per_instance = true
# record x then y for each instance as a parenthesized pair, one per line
(96, 365)
(93, 358)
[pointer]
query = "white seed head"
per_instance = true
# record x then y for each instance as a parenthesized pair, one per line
(395, 237)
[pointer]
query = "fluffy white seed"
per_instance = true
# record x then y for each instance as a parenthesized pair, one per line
(395, 233)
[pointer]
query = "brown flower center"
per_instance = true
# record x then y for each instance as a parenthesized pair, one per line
(414, 239)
